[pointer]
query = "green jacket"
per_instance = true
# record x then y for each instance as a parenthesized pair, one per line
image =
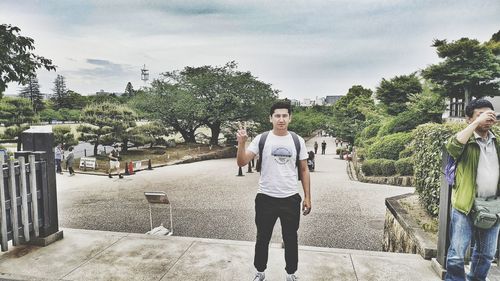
(464, 191)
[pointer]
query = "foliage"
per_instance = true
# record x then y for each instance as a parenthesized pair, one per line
(63, 134)
(31, 91)
(367, 133)
(389, 147)
(49, 115)
(18, 63)
(14, 132)
(393, 94)
(379, 167)
(349, 113)
(423, 108)
(108, 123)
(129, 91)
(306, 122)
(60, 96)
(206, 95)
(428, 144)
(470, 69)
(69, 114)
(15, 111)
(404, 166)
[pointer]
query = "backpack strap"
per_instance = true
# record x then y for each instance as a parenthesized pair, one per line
(262, 141)
(297, 149)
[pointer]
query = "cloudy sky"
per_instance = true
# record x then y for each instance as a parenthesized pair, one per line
(306, 49)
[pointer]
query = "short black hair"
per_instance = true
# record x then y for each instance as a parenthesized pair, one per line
(475, 104)
(70, 148)
(285, 104)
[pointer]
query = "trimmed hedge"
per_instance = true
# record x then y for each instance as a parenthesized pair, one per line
(389, 147)
(428, 144)
(379, 167)
(404, 166)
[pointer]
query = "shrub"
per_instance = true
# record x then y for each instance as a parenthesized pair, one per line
(407, 152)
(389, 147)
(428, 144)
(379, 167)
(404, 166)
(367, 133)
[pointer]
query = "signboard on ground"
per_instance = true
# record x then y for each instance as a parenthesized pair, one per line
(88, 162)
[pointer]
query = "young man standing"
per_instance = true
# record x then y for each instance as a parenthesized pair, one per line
(278, 195)
(477, 175)
(58, 156)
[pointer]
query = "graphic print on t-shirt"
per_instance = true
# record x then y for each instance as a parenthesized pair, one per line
(281, 155)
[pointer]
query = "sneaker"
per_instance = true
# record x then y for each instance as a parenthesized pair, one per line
(291, 277)
(260, 276)
(120, 176)
(110, 176)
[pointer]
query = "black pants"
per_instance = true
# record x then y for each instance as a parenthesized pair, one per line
(58, 166)
(70, 169)
(267, 211)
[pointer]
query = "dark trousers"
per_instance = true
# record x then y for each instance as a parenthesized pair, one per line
(58, 166)
(267, 211)
(71, 171)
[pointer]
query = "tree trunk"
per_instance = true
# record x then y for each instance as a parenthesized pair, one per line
(467, 97)
(95, 148)
(125, 146)
(215, 128)
(19, 142)
(188, 136)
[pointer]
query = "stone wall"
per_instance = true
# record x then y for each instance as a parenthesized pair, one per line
(402, 234)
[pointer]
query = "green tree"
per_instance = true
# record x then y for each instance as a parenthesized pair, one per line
(17, 61)
(349, 114)
(49, 115)
(64, 135)
(60, 93)
(470, 69)
(14, 114)
(216, 97)
(75, 100)
(31, 91)
(152, 133)
(129, 91)
(107, 123)
(394, 93)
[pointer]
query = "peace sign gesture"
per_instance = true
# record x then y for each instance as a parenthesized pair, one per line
(241, 134)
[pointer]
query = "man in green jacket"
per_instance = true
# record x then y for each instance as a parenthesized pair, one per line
(477, 175)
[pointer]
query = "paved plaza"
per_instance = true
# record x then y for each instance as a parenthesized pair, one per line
(210, 201)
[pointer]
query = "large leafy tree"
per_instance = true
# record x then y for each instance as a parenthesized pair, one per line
(350, 112)
(17, 61)
(470, 69)
(395, 92)
(211, 96)
(107, 123)
(31, 91)
(129, 91)
(14, 114)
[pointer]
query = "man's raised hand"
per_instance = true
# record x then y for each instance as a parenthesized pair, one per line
(241, 134)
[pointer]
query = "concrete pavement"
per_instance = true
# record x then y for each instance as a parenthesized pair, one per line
(100, 255)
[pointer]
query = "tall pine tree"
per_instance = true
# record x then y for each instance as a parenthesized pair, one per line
(60, 93)
(31, 91)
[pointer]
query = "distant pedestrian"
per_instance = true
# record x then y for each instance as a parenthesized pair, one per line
(58, 155)
(69, 161)
(315, 147)
(337, 142)
(323, 147)
(114, 161)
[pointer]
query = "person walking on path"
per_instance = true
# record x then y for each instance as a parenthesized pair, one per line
(315, 147)
(278, 195)
(58, 155)
(114, 161)
(69, 161)
(323, 147)
(477, 152)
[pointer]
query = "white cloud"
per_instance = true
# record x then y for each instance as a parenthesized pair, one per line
(304, 48)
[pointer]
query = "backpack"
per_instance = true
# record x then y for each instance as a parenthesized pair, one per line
(262, 141)
(449, 170)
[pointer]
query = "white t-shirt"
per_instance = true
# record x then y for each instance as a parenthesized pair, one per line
(278, 176)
